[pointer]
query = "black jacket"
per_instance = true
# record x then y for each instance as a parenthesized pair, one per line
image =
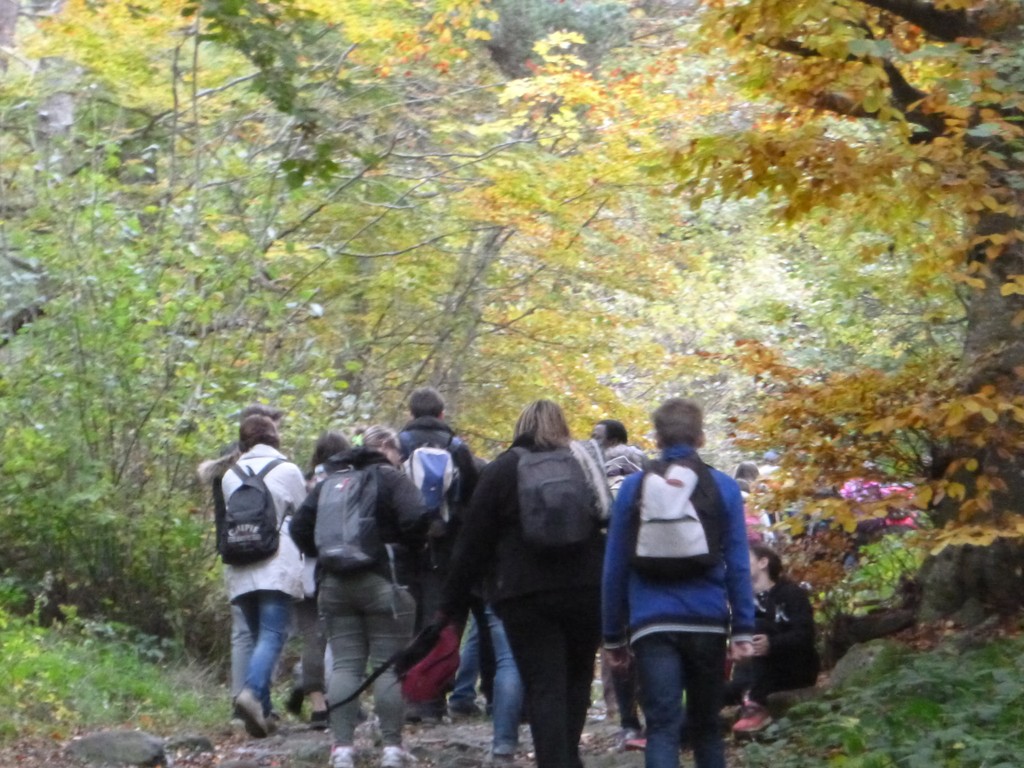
(401, 515)
(784, 613)
(490, 545)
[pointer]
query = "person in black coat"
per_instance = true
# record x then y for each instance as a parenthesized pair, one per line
(550, 605)
(785, 655)
(428, 427)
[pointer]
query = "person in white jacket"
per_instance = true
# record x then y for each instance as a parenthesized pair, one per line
(265, 590)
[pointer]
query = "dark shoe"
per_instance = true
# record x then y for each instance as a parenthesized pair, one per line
(500, 758)
(294, 703)
(250, 710)
(428, 713)
(465, 709)
(318, 720)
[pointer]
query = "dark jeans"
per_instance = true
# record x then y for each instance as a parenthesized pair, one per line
(554, 637)
(669, 663)
(624, 685)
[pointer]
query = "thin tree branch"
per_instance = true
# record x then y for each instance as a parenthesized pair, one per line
(904, 97)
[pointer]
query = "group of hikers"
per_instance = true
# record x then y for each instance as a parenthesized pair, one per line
(552, 550)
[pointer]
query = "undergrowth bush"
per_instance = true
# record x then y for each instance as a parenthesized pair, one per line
(88, 674)
(942, 708)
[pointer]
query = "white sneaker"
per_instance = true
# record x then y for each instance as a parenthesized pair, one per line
(343, 757)
(395, 757)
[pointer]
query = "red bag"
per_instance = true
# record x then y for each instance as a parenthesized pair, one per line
(430, 677)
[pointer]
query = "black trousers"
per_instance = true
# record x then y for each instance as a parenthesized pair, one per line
(554, 638)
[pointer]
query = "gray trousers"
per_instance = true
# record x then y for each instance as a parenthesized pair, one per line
(367, 619)
(314, 644)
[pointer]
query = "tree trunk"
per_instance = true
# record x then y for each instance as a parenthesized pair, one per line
(967, 582)
(8, 23)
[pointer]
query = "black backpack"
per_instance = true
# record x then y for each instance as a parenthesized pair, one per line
(557, 508)
(250, 531)
(677, 521)
(346, 534)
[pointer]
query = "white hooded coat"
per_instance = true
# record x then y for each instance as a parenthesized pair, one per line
(283, 571)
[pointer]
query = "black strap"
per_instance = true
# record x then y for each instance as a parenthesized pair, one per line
(706, 491)
(405, 659)
(237, 468)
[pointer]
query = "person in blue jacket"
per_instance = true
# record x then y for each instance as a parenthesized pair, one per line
(680, 630)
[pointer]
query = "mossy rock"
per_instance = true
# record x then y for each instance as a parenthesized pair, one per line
(867, 662)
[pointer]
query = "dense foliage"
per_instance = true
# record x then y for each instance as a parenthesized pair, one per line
(90, 674)
(946, 707)
(323, 205)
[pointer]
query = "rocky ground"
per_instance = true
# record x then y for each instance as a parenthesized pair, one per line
(461, 743)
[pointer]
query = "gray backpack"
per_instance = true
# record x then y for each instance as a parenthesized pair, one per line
(557, 508)
(346, 534)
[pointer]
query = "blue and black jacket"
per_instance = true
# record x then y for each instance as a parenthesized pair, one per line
(719, 601)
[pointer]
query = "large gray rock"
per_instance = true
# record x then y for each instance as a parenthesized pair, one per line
(866, 661)
(119, 748)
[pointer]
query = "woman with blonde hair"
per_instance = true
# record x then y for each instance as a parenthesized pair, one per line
(548, 597)
(364, 522)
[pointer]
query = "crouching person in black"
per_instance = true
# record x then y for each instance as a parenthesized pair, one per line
(785, 656)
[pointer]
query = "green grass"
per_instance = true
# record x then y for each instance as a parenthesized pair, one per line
(931, 709)
(93, 675)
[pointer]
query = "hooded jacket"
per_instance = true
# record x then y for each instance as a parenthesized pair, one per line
(719, 601)
(283, 570)
(401, 515)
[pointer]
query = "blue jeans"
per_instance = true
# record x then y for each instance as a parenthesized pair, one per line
(267, 613)
(508, 690)
(241, 649)
(669, 663)
(464, 691)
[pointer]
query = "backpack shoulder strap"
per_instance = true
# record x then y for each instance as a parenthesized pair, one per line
(268, 467)
(242, 473)
(658, 467)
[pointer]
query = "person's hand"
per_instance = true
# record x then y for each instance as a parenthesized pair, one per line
(762, 645)
(617, 659)
(740, 650)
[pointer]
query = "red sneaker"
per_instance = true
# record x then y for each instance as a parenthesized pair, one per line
(753, 718)
(636, 744)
